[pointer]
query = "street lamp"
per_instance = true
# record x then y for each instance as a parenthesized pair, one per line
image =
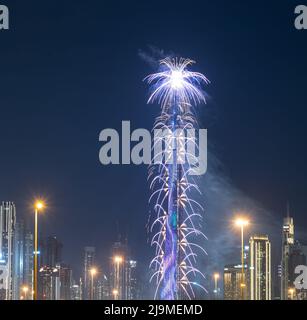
(93, 272)
(241, 223)
(115, 294)
(117, 261)
(216, 277)
(38, 206)
(25, 290)
(291, 292)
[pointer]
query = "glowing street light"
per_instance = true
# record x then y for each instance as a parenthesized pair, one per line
(291, 292)
(38, 206)
(93, 272)
(25, 290)
(216, 277)
(118, 259)
(115, 294)
(242, 223)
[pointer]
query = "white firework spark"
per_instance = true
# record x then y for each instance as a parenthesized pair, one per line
(178, 215)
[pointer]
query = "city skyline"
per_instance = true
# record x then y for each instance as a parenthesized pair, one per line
(120, 278)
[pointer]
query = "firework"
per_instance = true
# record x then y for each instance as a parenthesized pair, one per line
(176, 225)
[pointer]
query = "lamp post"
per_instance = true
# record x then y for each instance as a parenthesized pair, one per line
(25, 290)
(93, 272)
(117, 261)
(241, 222)
(216, 277)
(115, 294)
(291, 292)
(39, 205)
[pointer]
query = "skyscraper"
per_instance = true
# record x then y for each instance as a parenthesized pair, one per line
(132, 292)
(18, 260)
(123, 277)
(49, 268)
(65, 274)
(50, 252)
(287, 243)
(260, 268)
(49, 283)
(7, 228)
(89, 261)
(232, 281)
(28, 260)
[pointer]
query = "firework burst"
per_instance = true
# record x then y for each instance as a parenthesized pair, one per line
(176, 226)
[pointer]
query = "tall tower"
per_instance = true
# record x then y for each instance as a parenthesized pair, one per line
(28, 260)
(260, 268)
(7, 228)
(18, 260)
(287, 244)
(88, 262)
(175, 227)
(50, 252)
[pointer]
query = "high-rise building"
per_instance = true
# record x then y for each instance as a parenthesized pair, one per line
(260, 276)
(123, 275)
(76, 293)
(65, 274)
(50, 258)
(18, 260)
(88, 262)
(50, 252)
(102, 290)
(28, 261)
(232, 281)
(287, 244)
(49, 283)
(133, 292)
(7, 229)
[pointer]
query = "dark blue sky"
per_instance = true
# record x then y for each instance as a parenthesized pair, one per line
(72, 68)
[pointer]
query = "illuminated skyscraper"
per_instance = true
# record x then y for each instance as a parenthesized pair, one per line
(66, 282)
(260, 268)
(49, 283)
(7, 228)
(88, 262)
(18, 260)
(28, 260)
(50, 251)
(287, 244)
(232, 281)
(123, 277)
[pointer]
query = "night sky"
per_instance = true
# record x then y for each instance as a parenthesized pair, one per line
(72, 68)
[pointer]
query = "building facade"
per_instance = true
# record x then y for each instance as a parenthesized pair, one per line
(287, 244)
(89, 258)
(7, 230)
(260, 274)
(232, 281)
